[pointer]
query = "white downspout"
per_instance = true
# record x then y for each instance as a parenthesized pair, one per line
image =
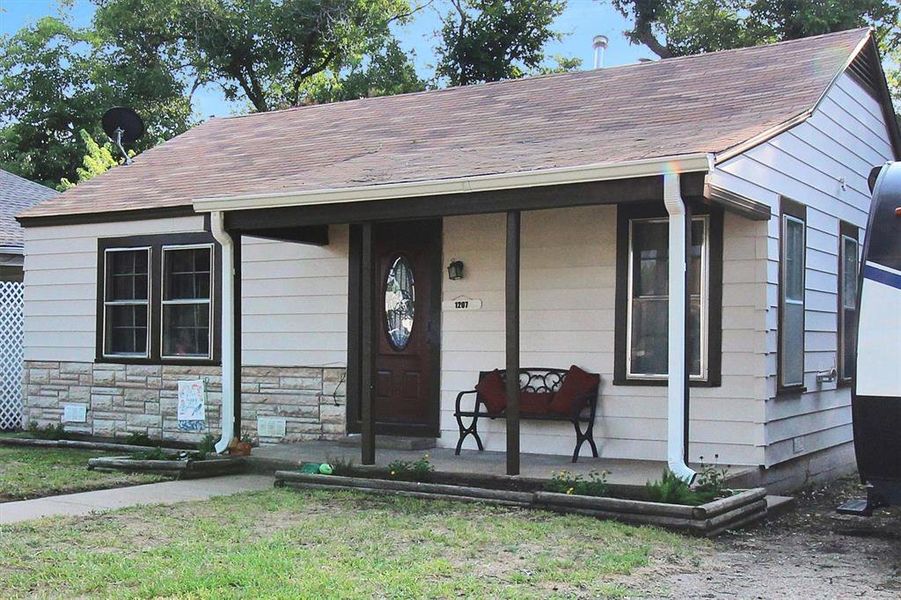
(675, 391)
(228, 333)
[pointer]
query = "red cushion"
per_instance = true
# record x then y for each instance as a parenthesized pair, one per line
(492, 391)
(575, 392)
(535, 403)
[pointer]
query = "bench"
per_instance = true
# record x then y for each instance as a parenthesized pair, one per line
(538, 388)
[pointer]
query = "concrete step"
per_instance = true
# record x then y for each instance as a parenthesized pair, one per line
(779, 505)
(390, 442)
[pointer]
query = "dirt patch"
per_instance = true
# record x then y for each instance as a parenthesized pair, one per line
(810, 553)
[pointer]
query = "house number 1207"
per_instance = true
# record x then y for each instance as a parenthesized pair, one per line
(463, 303)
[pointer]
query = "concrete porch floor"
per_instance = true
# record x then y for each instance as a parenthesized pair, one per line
(542, 466)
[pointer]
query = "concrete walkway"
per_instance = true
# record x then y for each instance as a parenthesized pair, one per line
(167, 492)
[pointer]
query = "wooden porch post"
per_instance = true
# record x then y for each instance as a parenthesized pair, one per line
(512, 332)
(367, 350)
(236, 317)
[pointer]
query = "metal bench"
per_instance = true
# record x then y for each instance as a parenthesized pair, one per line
(538, 380)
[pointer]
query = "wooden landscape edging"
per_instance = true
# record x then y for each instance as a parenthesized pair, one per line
(183, 469)
(743, 508)
(82, 445)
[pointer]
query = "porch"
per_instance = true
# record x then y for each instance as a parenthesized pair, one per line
(364, 217)
(533, 466)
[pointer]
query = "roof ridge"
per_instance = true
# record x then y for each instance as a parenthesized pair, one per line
(569, 74)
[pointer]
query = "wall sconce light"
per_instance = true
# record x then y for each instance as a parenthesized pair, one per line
(455, 270)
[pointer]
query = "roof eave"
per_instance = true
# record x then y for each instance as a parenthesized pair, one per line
(685, 163)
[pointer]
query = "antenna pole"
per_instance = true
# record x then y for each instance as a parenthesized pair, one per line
(119, 133)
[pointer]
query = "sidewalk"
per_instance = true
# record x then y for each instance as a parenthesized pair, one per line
(167, 492)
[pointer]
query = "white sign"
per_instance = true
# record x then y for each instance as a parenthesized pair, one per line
(462, 303)
(191, 405)
(75, 413)
(272, 426)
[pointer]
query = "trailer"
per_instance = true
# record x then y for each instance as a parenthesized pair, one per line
(876, 392)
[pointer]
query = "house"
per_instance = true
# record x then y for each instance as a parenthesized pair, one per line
(265, 255)
(16, 194)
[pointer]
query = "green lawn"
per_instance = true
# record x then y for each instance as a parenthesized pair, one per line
(34, 472)
(289, 544)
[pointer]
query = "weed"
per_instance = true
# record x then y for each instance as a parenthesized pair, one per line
(48, 432)
(206, 446)
(140, 439)
(151, 454)
(565, 482)
(417, 470)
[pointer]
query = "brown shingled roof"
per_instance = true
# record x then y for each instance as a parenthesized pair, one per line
(706, 103)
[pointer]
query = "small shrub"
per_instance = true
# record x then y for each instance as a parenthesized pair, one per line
(151, 454)
(711, 481)
(565, 482)
(417, 470)
(206, 446)
(140, 439)
(671, 490)
(48, 432)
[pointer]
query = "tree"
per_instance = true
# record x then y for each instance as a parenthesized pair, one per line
(490, 40)
(56, 80)
(270, 51)
(681, 27)
(98, 159)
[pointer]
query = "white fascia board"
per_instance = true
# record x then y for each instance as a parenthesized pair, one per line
(12, 250)
(685, 163)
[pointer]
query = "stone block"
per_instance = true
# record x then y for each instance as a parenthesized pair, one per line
(140, 395)
(299, 383)
(143, 370)
(102, 402)
(144, 420)
(298, 411)
(77, 368)
(42, 401)
(332, 414)
(104, 377)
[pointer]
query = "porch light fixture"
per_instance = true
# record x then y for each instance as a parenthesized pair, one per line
(455, 270)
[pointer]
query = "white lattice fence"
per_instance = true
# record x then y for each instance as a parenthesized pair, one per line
(11, 320)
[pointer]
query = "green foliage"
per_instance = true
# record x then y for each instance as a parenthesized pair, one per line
(565, 482)
(342, 466)
(48, 432)
(57, 80)
(269, 51)
(709, 485)
(206, 446)
(151, 454)
(98, 159)
(681, 27)
(491, 40)
(417, 470)
(140, 439)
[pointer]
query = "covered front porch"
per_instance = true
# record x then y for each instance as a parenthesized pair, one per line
(371, 215)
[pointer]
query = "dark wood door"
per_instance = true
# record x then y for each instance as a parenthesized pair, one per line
(407, 327)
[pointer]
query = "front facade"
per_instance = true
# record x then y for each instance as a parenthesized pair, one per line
(122, 309)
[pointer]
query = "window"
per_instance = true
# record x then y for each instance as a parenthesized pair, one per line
(849, 265)
(156, 300)
(400, 303)
(126, 302)
(186, 301)
(642, 351)
(791, 295)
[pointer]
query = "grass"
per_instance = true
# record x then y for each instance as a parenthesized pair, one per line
(288, 544)
(35, 472)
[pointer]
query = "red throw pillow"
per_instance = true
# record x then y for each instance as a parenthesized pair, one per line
(572, 396)
(535, 403)
(492, 390)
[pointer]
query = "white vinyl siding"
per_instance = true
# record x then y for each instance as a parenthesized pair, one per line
(822, 163)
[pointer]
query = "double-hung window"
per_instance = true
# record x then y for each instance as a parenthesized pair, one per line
(187, 304)
(126, 302)
(157, 299)
(792, 263)
(643, 299)
(849, 266)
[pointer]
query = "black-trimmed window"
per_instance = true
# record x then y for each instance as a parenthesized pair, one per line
(848, 268)
(157, 299)
(792, 277)
(643, 297)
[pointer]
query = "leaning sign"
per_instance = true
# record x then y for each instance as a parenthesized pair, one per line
(191, 405)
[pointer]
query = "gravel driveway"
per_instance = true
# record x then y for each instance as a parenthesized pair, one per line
(811, 553)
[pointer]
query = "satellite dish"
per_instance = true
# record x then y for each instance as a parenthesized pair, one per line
(123, 126)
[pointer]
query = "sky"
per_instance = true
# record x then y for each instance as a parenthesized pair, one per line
(582, 20)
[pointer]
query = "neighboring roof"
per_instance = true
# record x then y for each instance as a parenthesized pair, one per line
(16, 195)
(708, 103)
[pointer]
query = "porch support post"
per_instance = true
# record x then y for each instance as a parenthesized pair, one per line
(512, 333)
(367, 349)
(678, 371)
(236, 333)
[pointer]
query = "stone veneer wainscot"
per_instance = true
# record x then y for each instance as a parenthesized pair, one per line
(121, 399)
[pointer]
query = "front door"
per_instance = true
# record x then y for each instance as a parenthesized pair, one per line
(407, 318)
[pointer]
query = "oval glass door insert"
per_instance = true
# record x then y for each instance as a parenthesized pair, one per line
(400, 298)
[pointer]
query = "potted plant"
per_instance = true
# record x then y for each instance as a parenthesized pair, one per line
(241, 447)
